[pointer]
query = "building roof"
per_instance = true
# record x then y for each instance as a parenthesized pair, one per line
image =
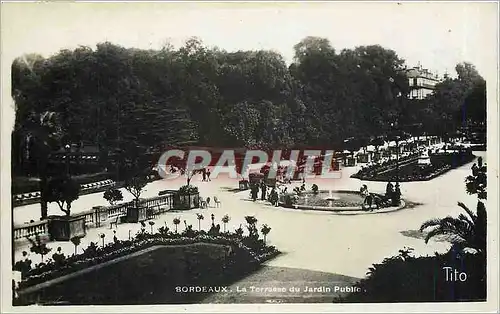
(419, 72)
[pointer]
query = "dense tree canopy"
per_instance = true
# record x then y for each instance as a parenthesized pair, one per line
(114, 97)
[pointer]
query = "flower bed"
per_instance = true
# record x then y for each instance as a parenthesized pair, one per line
(440, 164)
(373, 170)
(151, 276)
(93, 255)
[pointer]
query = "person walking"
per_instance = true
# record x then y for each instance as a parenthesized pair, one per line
(263, 187)
(204, 174)
(389, 190)
(208, 175)
(274, 197)
(396, 199)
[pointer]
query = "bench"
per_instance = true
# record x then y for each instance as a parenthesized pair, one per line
(114, 218)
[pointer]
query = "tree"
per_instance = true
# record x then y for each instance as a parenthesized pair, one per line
(225, 220)
(265, 231)
(185, 170)
(63, 190)
(465, 231)
(217, 98)
(252, 226)
(113, 195)
(102, 236)
(76, 242)
(473, 110)
(477, 182)
(41, 133)
(455, 102)
(135, 186)
(352, 93)
(38, 246)
(200, 218)
(176, 221)
(242, 122)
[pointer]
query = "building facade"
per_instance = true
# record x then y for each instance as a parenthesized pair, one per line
(421, 81)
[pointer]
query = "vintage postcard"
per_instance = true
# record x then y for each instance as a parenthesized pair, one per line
(249, 156)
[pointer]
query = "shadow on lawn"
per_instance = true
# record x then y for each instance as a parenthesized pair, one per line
(167, 275)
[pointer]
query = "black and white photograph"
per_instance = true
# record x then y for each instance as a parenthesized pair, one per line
(266, 154)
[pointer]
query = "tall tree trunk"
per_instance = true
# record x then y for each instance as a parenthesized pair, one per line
(42, 171)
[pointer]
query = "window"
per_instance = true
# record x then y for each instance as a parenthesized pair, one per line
(415, 81)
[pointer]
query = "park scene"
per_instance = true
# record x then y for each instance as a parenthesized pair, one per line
(99, 218)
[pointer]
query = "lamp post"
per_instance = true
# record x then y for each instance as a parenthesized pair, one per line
(394, 125)
(68, 149)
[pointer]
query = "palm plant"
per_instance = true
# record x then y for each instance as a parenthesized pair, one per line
(38, 246)
(239, 231)
(225, 220)
(151, 224)
(467, 231)
(76, 242)
(251, 226)
(200, 218)
(176, 221)
(102, 236)
(265, 230)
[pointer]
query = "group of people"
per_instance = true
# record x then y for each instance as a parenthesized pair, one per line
(392, 196)
(393, 193)
(272, 196)
(205, 175)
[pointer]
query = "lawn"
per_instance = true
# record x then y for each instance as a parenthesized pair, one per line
(149, 278)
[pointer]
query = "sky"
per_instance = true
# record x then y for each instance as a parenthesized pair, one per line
(436, 35)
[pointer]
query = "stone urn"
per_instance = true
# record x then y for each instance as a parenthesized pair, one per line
(63, 228)
(136, 213)
(186, 200)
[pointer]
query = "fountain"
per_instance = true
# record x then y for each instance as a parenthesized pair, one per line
(331, 198)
